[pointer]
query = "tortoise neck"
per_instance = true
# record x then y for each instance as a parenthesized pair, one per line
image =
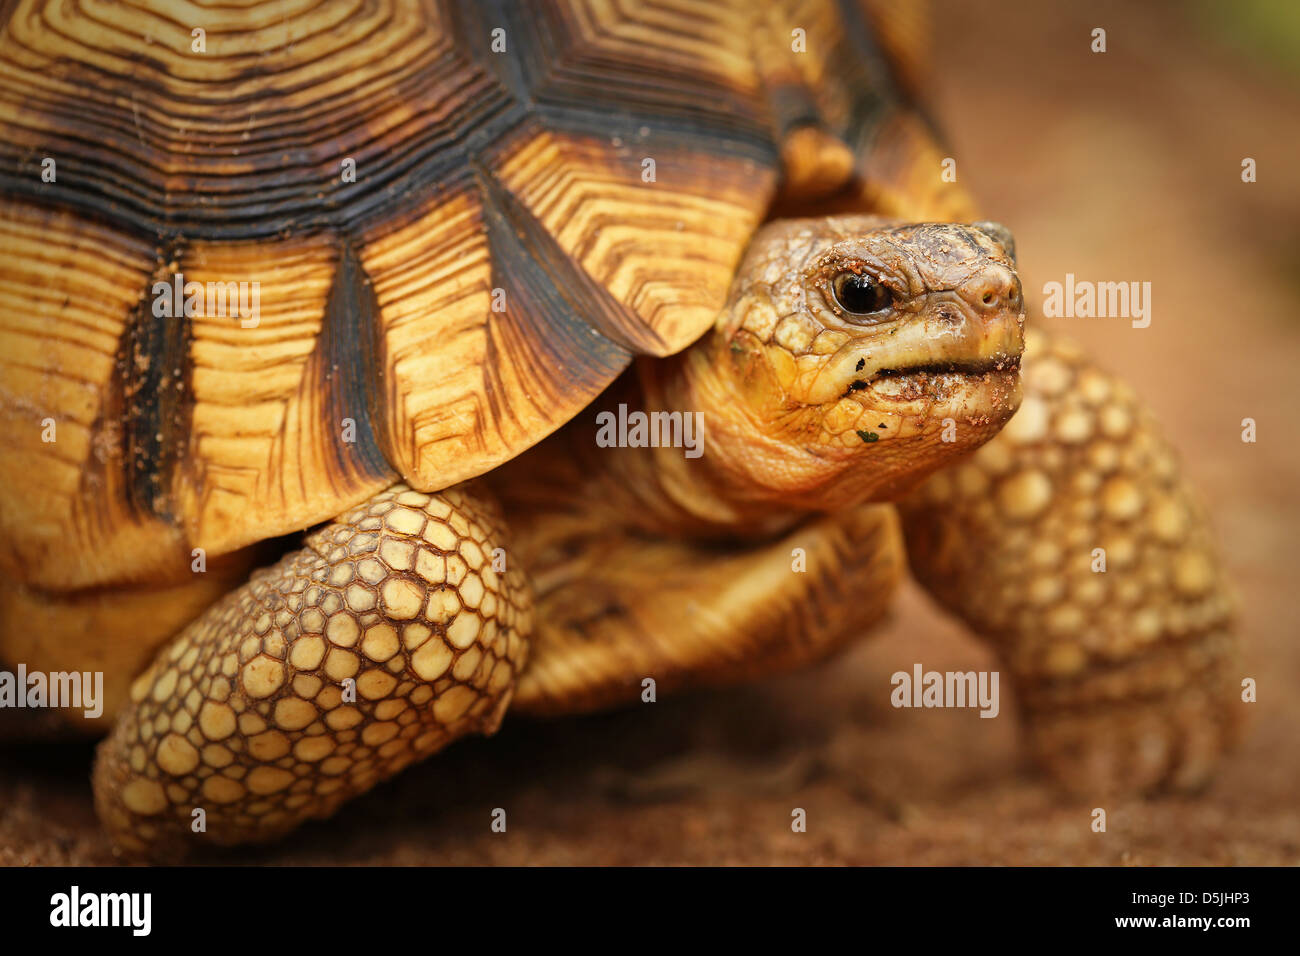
(679, 446)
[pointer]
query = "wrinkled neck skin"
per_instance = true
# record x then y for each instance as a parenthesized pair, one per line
(754, 476)
(749, 476)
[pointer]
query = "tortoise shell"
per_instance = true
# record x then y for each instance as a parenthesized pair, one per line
(449, 226)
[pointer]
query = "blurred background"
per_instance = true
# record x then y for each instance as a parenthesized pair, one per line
(1117, 166)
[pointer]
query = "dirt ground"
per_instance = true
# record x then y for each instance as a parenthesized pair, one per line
(1116, 166)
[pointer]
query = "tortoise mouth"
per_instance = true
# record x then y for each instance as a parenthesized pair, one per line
(1000, 363)
(994, 363)
(965, 389)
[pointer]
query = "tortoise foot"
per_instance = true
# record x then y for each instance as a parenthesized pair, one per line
(1073, 543)
(386, 637)
(1161, 723)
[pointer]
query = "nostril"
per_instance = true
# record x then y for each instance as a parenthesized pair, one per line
(992, 288)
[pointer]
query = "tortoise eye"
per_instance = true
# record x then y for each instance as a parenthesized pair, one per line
(861, 294)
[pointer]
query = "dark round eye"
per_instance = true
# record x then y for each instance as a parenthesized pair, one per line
(861, 294)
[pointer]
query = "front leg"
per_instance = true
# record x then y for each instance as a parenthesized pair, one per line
(386, 637)
(615, 608)
(1073, 544)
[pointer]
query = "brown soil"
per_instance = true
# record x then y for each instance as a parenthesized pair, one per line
(1122, 166)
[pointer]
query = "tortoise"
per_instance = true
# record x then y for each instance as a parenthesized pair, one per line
(541, 359)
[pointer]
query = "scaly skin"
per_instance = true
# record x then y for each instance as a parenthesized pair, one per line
(1126, 677)
(246, 714)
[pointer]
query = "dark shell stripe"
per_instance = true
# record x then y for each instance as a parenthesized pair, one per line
(153, 401)
(484, 180)
(868, 77)
(349, 350)
(69, 291)
(227, 154)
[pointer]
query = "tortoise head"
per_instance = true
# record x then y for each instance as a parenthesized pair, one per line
(860, 354)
